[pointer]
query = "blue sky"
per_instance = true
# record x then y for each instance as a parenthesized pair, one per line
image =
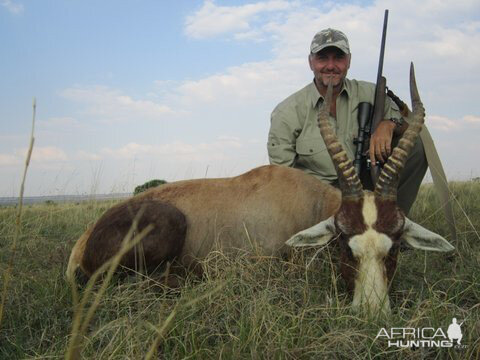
(128, 91)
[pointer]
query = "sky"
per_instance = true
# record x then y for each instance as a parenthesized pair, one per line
(129, 91)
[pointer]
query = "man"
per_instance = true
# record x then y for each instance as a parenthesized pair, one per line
(294, 138)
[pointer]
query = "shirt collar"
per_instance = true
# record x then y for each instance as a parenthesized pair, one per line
(316, 97)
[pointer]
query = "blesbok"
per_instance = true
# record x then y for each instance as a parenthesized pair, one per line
(268, 206)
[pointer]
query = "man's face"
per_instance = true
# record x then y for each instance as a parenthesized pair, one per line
(329, 63)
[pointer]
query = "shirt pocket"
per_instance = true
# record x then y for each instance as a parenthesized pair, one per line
(310, 146)
(313, 155)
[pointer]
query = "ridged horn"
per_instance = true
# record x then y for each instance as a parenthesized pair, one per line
(348, 179)
(387, 183)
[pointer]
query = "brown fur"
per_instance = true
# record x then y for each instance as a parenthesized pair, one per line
(391, 260)
(391, 221)
(348, 264)
(163, 243)
(349, 219)
(256, 211)
(349, 222)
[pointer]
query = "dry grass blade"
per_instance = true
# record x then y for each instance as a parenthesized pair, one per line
(18, 220)
(162, 330)
(80, 326)
(466, 216)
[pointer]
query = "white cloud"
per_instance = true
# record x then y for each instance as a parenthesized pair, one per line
(437, 36)
(446, 124)
(449, 43)
(472, 119)
(176, 151)
(433, 32)
(8, 160)
(212, 20)
(85, 155)
(111, 104)
(420, 37)
(253, 82)
(441, 123)
(254, 35)
(12, 6)
(59, 122)
(40, 155)
(47, 154)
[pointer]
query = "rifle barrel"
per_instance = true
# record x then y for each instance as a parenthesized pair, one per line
(382, 47)
(380, 88)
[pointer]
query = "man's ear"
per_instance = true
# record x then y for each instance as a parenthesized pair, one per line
(349, 60)
(316, 235)
(420, 238)
(310, 61)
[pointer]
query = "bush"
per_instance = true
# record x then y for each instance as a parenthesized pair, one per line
(148, 185)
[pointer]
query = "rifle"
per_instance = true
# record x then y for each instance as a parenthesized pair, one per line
(368, 120)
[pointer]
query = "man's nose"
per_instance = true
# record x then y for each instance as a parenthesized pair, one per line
(330, 63)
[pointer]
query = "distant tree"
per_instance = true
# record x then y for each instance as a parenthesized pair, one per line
(148, 185)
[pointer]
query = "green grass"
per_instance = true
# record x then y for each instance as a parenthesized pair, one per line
(249, 307)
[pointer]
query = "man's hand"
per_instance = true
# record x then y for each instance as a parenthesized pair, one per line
(381, 141)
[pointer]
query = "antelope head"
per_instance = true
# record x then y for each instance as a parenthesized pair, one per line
(369, 226)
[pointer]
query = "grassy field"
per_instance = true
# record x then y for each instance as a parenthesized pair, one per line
(250, 307)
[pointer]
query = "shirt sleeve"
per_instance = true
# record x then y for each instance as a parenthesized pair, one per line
(282, 137)
(391, 110)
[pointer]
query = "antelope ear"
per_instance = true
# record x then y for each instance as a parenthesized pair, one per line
(316, 235)
(420, 238)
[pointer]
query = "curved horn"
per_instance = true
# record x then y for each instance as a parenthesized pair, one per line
(387, 183)
(349, 182)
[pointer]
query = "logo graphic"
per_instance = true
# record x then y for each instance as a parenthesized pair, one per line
(424, 337)
(454, 332)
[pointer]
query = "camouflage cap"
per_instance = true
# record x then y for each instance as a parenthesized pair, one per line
(329, 37)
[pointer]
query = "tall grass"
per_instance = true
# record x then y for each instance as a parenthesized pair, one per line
(18, 220)
(247, 307)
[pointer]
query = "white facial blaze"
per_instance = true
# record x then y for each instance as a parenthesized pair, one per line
(370, 248)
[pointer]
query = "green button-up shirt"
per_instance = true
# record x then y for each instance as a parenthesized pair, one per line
(294, 138)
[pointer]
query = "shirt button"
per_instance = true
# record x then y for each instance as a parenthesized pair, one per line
(311, 150)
